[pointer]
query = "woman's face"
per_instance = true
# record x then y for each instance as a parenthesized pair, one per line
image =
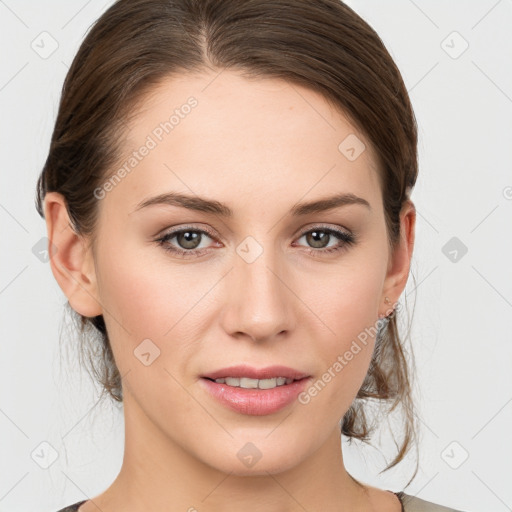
(255, 287)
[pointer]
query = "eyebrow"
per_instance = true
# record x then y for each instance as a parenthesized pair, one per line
(204, 205)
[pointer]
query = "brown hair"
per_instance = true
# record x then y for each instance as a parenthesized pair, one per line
(322, 45)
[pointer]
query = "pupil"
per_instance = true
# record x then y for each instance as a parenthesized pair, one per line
(316, 239)
(188, 239)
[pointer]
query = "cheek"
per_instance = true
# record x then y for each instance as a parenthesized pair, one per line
(143, 291)
(152, 326)
(140, 302)
(156, 308)
(347, 301)
(348, 310)
(161, 303)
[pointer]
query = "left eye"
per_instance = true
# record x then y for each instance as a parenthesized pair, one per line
(320, 236)
(190, 239)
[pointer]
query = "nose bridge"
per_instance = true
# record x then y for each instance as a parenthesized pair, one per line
(259, 300)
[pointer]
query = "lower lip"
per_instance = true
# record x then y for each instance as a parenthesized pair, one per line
(256, 402)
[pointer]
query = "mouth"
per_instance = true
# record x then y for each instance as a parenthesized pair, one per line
(253, 391)
(248, 383)
(247, 377)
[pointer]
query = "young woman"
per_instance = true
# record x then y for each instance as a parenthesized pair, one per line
(227, 198)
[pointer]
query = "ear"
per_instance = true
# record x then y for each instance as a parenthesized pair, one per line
(71, 261)
(400, 260)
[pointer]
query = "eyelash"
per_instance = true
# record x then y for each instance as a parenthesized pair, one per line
(346, 240)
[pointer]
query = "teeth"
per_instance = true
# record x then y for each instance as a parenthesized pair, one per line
(246, 383)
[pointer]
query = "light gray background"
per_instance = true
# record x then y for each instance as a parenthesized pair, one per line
(461, 328)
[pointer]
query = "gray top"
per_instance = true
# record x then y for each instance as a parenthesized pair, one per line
(409, 504)
(414, 504)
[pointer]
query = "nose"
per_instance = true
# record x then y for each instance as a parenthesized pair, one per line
(259, 300)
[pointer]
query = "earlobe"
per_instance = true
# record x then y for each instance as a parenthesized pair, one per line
(71, 261)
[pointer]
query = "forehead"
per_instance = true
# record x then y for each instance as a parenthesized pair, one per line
(233, 138)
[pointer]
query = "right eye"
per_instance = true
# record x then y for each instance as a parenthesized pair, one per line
(189, 239)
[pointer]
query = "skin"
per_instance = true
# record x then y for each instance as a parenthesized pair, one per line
(259, 146)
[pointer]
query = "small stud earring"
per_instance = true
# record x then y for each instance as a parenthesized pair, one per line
(387, 301)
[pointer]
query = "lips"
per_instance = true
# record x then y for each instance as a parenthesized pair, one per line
(268, 372)
(256, 402)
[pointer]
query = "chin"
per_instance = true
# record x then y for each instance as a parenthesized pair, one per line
(254, 458)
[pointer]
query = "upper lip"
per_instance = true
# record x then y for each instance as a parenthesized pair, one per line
(256, 373)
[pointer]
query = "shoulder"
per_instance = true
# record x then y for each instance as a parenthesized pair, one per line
(414, 504)
(72, 508)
